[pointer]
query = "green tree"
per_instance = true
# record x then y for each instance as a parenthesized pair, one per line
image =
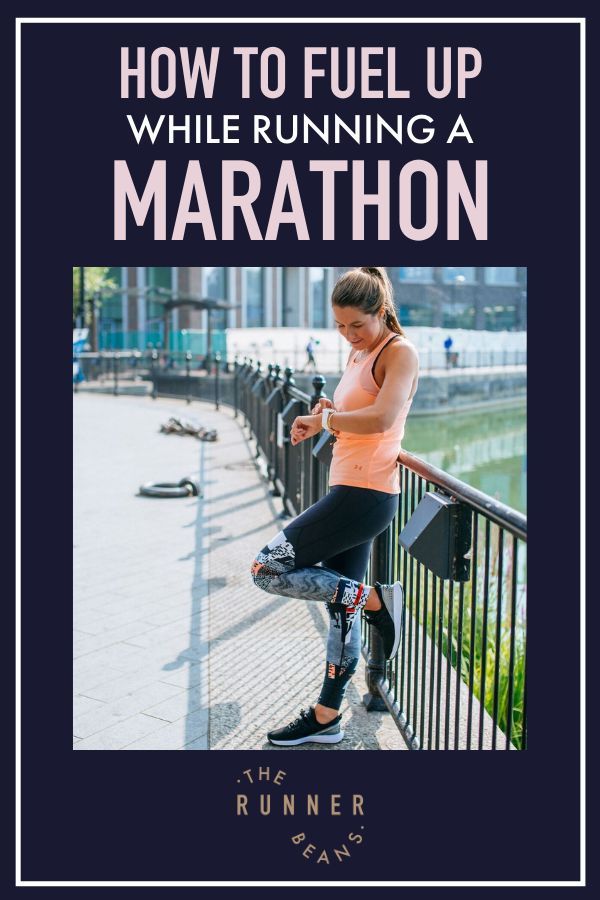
(96, 284)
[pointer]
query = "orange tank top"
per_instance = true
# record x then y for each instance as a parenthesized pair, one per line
(366, 460)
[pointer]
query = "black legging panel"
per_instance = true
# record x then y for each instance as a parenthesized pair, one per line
(323, 555)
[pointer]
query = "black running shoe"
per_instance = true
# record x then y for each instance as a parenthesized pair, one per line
(306, 728)
(389, 620)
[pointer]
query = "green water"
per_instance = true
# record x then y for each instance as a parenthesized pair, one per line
(486, 449)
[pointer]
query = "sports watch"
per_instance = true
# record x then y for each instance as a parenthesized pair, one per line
(325, 416)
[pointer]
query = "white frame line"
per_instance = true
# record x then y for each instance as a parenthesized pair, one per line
(292, 21)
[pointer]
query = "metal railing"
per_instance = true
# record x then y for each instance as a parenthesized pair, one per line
(431, 360)
(110, 368)
(459, 679)
(178, 373)
(331, 361)
(100, 365)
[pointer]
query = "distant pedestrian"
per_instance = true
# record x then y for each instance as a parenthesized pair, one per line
(310, 354)
(77, 371)
(448, 348)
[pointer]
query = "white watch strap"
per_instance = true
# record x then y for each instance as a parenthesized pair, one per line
(325, 418)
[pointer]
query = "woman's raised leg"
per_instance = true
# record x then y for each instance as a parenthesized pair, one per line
(339, 522)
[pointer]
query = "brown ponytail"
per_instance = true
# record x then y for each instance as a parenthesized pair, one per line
(369, 289)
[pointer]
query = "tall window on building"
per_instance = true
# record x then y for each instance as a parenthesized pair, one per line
(458, 306)
(158, 277)
(501, 317)
(412, 287)
(111, 312)
(253, 292)
(214, 286)
(318, 297)
(416, 274)
(459, 315)
(112, 305)
(500, 275)
(290, 309)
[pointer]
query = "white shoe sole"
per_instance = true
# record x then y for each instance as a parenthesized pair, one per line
(315, 739)
(397, 614)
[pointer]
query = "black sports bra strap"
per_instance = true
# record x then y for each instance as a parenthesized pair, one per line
(393, 338)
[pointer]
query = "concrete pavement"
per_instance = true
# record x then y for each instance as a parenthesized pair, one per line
(174, 647)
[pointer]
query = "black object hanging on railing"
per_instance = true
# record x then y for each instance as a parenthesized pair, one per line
(291, 410)
(323, 449)
(259, 388)
(438, 534)
(275, 399)
(274, 403)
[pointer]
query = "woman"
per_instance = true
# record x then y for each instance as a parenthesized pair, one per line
(324, 552)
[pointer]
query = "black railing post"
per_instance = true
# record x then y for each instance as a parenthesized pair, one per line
(247, 373)
(154, 376)
(248, 396)
(275, 378)
(271, 449)
(257, 405)
(318, 383)
(188, 377)
(236, 371)
(217, 396)
(289, 382)
(376, 663)
(116, 374)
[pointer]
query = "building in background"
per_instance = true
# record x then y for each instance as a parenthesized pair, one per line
(491, 298)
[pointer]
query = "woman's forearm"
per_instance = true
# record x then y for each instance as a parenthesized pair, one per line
(359, 421)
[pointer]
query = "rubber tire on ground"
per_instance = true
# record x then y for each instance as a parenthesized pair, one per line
(194, 487)
(165, 489)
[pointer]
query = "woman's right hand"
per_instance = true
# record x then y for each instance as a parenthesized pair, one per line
(323, 403)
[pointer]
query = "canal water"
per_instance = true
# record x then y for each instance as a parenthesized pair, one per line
(486, 448)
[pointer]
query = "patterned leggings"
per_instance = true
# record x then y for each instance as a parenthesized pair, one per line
(323, 555)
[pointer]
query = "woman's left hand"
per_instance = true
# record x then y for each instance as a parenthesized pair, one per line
(304, 427)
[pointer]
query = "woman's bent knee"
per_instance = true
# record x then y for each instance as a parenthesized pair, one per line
(260, 572)
(274, 559)
(264, 574)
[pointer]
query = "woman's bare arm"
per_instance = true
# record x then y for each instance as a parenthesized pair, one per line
(401, 368)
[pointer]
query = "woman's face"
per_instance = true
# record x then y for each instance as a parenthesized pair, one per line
(360, 329)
